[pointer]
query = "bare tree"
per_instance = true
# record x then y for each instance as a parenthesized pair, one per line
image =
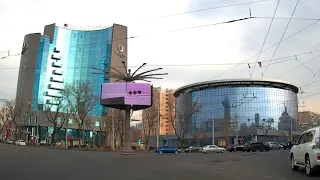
(180, 116)
(198, 135)
(81, 100)
(266, 126)
(53, 114)
(18, 114)
(105, 129)
(119, 124)
(150, 117)
(4, 120)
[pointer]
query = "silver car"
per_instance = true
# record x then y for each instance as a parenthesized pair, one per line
(273, 145)
(212, 148)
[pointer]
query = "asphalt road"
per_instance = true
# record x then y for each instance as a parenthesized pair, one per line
(36, 163)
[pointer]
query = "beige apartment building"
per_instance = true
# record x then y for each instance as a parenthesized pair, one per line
(308, 119)
(163, 109)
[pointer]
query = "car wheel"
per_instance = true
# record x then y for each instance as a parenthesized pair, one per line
(222, 151)
(308, 168)
(293, 166)
(176, 152)
(207, 152)
(160, 152)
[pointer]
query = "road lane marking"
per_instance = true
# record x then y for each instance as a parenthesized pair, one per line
(267, 176)
(234, 170)
(248, 172)
(221, 168)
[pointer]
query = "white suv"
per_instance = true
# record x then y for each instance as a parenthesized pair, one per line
(306, 152)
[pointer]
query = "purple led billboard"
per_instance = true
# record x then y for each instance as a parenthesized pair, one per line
(121, 95)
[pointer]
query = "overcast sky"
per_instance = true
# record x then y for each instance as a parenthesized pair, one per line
(185, 54)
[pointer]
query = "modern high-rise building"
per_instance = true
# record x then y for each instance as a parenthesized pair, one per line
(164, 103)
(63, 55)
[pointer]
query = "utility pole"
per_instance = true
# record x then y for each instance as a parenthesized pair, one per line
(290, 129)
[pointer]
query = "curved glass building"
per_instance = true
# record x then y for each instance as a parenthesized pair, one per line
(244, 106)
(63, 55)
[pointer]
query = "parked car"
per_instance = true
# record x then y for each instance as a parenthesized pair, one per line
(20, 143)
(9, 141)
(306, 152)
(212, 148)
(273, 145)
(167, 149)
(286, 145)
(192, 149)
(234, 148)
(255, 146)
(43, 142)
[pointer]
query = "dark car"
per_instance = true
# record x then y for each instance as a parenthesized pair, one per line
(234, 148)
(167, 149)
(192, 149)
(286, 145)
(255, 146)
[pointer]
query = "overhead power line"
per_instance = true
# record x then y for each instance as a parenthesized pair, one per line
(302, 64)
(134, 37)
(205, 9)
(275, 61)
(292, 35)
(265, 39)
(285, 30)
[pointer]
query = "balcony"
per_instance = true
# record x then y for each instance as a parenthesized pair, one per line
(55, 57)
(54, 95)
(56, 50)
(55, 86)
(57, 79)
(57, 72)
(56, 64)
(53, 102)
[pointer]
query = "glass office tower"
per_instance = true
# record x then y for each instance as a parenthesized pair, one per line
(63, 55)
(242, 103)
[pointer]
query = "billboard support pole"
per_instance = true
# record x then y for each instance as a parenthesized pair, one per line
(127, 138)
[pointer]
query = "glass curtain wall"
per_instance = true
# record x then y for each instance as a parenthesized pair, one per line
(245, 106)
(69, 58)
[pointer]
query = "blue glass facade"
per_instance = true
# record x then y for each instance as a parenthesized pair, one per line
(67, 58)
(245, 106)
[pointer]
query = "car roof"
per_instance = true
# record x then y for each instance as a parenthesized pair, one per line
(315, 128)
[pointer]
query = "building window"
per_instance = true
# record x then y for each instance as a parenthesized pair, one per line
(70, 121)
(97, 124)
